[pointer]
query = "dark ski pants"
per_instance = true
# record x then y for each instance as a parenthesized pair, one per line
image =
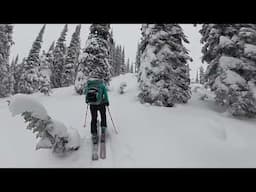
(94, 114)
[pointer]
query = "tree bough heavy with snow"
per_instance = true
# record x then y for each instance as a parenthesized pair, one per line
(164, 76)
(230, 51)
(95, 58)
(51, 134)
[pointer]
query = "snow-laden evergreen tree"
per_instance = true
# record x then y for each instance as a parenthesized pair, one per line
(201, 75)
(59, 54)
(45, 84)
(197, 77)
(112, 54)
(13, 68)
(69, 69)
(114, 60)
(117, 60)
(123, 66)
(29, 80)
(95, 59)
(230, 51)
(44, 74)
(131, 69)
(128, 65)
(164, 60)
(17, 75)
(6, 31)
(11, 74)
(50, 59)
(137, 61)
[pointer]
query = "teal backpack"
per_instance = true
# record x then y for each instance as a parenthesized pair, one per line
(94, 92)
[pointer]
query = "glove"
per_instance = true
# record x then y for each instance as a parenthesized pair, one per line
(107, 103)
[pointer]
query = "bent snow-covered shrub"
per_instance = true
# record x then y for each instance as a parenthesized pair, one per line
(51, 134)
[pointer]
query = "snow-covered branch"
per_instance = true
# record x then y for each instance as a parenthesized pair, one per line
(51, 133)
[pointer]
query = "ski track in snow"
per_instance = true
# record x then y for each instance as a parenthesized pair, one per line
(196, 134)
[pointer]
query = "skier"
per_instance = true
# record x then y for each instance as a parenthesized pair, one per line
(97, 97)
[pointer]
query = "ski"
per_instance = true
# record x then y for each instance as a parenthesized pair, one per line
(95, 152)
(95, 147)
(103, 146)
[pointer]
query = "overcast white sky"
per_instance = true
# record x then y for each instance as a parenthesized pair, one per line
(125, 34)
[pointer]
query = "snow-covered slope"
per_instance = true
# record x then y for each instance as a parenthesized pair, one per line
(197, 134)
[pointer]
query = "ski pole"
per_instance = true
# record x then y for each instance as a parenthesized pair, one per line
(115, 129)
(86, 116)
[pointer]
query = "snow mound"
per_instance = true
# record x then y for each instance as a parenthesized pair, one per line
(59, 129)
(23, 103)
(74, 139)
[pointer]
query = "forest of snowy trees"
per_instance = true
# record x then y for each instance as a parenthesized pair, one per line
(59, 66)
(161, 63)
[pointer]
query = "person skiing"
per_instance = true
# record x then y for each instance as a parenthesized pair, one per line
(96, 95)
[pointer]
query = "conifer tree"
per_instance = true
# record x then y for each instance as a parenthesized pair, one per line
(44, 74)
(29, 80)
(164, 79)
(118, 60)
(131, 69)
(59, 54)
(123, 66)
(128, 66)
(137, 61)
(50, 60)
(95, 59)
(201, 75)
(230, 51)
(197, 77)
(112, 54)
(6, 31)
(68, 75)
(12, 72)
(17, 75)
